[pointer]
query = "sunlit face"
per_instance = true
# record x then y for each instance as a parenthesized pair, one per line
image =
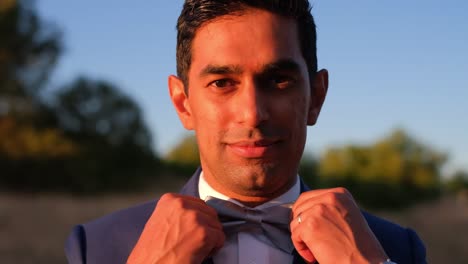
(249, 101)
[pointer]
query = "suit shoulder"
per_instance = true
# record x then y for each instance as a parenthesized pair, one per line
(401, 244)
(125, 219)
(111, 238)
(75, 245)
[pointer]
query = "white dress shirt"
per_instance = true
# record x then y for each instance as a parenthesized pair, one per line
(247, 248)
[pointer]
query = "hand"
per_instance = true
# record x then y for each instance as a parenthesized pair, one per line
(182, 229)
(332, 229)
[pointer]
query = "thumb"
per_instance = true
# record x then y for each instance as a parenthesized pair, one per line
(304, 251)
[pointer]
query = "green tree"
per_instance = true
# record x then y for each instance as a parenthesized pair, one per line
(115, 143)
(392, 172)
(97, 110)
(91, 138)
(457, 182)
(184, 158)
(185, 152)
(405, 160)
(29, 49)
(308, 169)
(23, 141)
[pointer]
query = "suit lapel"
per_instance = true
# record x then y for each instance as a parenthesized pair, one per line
(191, 187)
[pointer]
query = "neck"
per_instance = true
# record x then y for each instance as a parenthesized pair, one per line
(252, 197)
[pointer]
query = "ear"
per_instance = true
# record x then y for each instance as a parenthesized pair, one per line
(319, 88)
(180, 101)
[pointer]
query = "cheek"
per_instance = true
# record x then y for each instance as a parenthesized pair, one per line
(295, 111)
(204, 112)
(301, 111)
(209, 122)
(298, 112)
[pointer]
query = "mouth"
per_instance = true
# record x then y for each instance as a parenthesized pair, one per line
(253, 148)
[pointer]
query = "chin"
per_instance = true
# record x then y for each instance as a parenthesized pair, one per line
(260, 179)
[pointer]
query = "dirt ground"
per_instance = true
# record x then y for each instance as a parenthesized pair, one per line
(33, 228)
(442, 225)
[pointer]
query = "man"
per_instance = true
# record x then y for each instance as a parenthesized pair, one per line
(248, 86)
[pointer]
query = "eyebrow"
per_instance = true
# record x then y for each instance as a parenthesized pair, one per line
(220, 70)
(280, 65)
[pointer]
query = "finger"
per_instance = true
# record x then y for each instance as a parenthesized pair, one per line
(213, 241)
(221, 237)
(303, 244)
(180, 202)
(318, 193)
(342, 201)
(171, 197)
(342, 211)
(314, 219)
(199, 218)
(216, 237)
(300, 246)
(304, 251)
(204, 242)
(320, 226)
(187, 209)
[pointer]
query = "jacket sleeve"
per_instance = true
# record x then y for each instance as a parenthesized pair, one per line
(417, 248)
(75, 246)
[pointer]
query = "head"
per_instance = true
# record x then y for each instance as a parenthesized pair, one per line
(195, 13)
(248, 86)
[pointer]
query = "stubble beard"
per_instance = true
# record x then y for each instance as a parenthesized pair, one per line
(257, 179)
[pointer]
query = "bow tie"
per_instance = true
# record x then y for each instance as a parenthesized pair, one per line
(273, 221)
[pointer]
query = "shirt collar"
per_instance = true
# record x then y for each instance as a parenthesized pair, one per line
(291, 195)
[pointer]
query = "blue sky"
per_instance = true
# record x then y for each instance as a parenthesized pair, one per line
(392, 64)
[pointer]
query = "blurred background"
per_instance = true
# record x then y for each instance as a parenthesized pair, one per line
(87, 127)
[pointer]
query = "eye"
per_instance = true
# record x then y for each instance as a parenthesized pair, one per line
(282, 81)
(223, 83)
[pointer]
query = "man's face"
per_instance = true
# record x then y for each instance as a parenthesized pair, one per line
(249, 101)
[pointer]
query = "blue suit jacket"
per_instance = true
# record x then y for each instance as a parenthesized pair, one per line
(110, 239)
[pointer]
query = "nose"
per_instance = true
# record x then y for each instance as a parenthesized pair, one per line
(253, 105)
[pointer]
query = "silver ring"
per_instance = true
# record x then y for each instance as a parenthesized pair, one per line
(299, 219)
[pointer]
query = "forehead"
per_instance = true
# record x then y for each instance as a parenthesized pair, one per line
(250, 40)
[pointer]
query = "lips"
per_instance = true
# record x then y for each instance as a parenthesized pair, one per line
(253, 149)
